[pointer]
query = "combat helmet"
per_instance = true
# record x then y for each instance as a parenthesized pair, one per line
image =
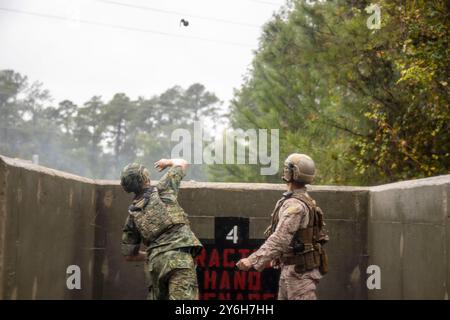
(133, 177)
(299, 168)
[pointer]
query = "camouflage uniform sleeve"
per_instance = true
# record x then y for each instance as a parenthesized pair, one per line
(131, 239)
(170, 182)
(292, 215)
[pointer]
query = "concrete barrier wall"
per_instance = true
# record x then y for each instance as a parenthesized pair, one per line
(46, 224)
(346, 220)
(409, 237)
(50, 220)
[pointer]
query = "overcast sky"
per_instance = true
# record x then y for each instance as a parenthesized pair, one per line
(76, 60)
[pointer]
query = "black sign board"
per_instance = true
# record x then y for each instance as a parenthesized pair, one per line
(219, 278)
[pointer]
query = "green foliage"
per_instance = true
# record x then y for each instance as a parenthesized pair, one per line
(369, 106)
(413, 141)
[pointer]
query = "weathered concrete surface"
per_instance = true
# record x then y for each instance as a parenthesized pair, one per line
(115, 278)
(50, 220)
(46, 222)
(409, 238)
(203, 201)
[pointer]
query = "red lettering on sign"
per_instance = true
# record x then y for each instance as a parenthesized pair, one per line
(214, 261)
(209, 295)
(224, 296)
(236, 296)
(254, 280)
(210, 278)
(226, 263)
(221, 280)
(224, 281)
(239, 280)
(254, 296)
(200, 259)
(244, 253)
(267, 296)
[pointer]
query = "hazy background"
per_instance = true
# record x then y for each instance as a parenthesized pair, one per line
(92, 85)
(76, 60)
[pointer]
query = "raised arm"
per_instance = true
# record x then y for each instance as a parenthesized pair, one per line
(164, 163)
(169, 184)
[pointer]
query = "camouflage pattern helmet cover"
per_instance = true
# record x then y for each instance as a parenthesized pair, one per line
(133, 177)
(299, 168)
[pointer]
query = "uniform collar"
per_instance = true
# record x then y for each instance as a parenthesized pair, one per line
(144, 194)
(141, 200)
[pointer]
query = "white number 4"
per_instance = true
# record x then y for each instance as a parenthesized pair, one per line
(233, 235)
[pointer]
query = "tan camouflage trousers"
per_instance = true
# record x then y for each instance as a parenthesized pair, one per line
(298, 286)
(173, 277)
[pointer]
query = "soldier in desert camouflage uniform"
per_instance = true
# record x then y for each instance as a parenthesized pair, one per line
(157, 220)
(295, 237)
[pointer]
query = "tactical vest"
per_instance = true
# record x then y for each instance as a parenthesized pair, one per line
(153, 217)
(307, 243)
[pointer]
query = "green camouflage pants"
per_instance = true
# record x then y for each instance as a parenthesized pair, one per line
(173, 277)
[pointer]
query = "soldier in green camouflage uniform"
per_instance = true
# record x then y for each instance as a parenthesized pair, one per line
(157, 220)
